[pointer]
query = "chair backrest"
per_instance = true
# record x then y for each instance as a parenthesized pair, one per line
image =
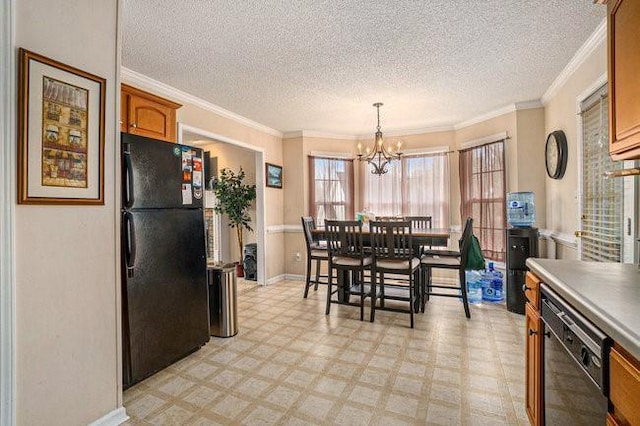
(419, 222)
(465, 242)
(388, 218)
(391, 240)
(308, 225)
(344, 238)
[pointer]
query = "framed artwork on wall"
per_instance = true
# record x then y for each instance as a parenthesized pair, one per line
(274, 176)
(61, 113)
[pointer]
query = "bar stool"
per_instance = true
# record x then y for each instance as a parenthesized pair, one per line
(392, 249)
(449, 260)
(347, 255)
(315, 251)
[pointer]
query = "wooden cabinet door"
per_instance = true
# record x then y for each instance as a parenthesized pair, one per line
(624, 83)
(533, 377)
(145, 114)
(151, 119)
(532, 290)
(624, 377)
(124, 102)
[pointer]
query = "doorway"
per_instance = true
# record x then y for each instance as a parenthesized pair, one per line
(233, 154)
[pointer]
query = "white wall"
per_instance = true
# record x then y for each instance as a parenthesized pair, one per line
(67, 291)
(560, 114)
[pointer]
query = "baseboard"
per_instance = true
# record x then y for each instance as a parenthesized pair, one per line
(276, 279)
(114, 418)
(284, 277)
(294, 277)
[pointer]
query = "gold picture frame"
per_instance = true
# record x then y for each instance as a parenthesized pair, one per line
(61, 117)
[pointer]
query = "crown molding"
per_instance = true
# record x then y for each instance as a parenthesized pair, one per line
(536, 103)
(485, 140)
(408, 132)
(594, 40)
(140, 80)
(316, 134)
(486, 116)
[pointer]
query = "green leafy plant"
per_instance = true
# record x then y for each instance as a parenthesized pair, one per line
(234, 198)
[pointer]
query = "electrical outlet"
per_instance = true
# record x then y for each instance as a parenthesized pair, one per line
(297, 257)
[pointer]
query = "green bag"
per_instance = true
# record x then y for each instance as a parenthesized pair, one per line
(475, 260)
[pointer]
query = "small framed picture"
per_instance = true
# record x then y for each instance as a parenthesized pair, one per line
(60, 133)
(274, 176)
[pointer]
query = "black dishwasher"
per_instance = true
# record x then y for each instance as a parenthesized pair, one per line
(576, 365)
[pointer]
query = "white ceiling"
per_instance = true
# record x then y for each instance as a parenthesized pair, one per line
(319, 65)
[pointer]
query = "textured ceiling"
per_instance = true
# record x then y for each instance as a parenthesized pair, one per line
(319, 65)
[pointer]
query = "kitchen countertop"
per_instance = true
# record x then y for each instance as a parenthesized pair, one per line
(608, 294)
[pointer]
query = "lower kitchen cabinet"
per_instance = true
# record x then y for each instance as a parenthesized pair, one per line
(624, 394)
(533, 364)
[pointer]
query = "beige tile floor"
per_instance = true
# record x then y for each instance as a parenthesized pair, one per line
(292, 365)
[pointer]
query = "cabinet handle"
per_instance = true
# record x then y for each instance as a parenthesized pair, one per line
(134, 125)
(532, 332)
(120, 121)
(525, 288)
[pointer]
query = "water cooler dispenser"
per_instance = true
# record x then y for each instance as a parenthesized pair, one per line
(522, 242)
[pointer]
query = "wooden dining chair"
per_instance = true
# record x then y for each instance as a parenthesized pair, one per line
(393, 253)
(316, 251)
(420, 222)
(450, 261)
(347, 257)
(388, 218)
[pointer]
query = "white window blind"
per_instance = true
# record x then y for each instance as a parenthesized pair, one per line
(602, 199)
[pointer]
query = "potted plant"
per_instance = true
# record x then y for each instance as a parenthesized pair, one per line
(234, 198)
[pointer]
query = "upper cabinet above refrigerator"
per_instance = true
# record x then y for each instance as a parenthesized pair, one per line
(624, 84)
(148, 115)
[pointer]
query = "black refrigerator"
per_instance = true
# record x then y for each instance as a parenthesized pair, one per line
(165, 313)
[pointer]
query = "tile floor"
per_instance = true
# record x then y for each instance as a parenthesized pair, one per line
(292, 365)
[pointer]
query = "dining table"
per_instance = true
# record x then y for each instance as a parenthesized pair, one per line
(428, 237)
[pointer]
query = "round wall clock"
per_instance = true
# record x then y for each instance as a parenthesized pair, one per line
(555, 153)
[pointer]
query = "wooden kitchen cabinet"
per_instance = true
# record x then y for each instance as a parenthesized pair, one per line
(532, 290)
(145, 114)
(624, 379)
(624, 84)
(533, 352)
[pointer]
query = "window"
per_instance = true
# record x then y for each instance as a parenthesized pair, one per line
(331, 189)
(602, 199)
(417, 185)
(482, 192)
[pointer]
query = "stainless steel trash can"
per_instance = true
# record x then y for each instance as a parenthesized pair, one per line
(223, 301)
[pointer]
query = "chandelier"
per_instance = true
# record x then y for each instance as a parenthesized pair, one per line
(379, 156)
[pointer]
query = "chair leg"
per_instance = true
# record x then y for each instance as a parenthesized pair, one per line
(381, 289)
(411, 298)
(373, 296)
(308, 280)
(417, 292)
(318, 261)
(360, 276)
(463, 286)
(329, 281)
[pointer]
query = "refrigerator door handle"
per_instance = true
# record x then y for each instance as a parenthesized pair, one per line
(129, 243)
(128, 177)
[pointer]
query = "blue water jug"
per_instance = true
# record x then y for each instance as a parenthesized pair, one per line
(521, 209)
(492, 285)
(474, 286)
